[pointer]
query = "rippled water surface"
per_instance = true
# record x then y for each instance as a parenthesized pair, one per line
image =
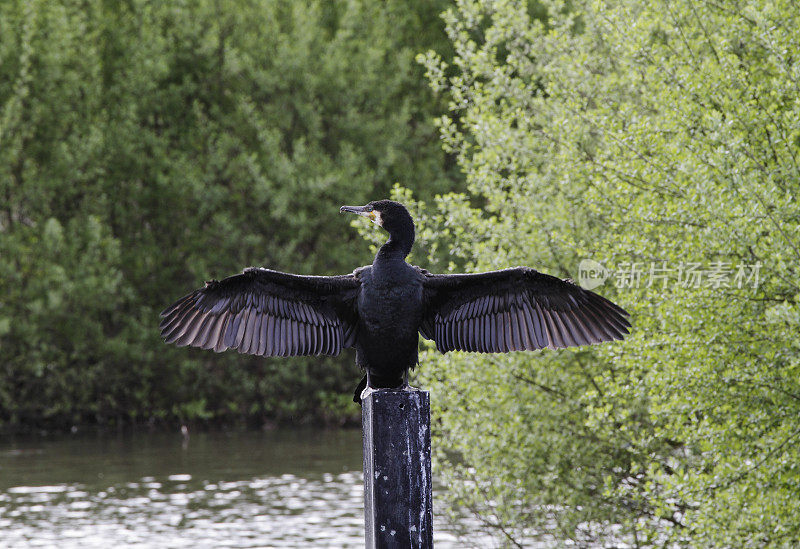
(299, 488)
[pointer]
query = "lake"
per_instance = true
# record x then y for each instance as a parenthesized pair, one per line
(281, 488)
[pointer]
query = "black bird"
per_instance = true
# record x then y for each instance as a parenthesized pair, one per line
(379, 309)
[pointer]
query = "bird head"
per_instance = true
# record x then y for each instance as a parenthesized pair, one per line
(384, 213)
(388, 214)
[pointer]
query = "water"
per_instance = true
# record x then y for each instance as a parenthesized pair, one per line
(284, 488)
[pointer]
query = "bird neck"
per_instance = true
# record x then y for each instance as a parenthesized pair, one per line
(398, 246)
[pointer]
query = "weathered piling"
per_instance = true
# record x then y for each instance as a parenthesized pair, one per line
(398, 500)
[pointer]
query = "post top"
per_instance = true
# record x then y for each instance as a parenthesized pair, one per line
(408, 390)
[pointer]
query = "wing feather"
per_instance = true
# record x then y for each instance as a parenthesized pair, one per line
(555, 334)
(268, 313)
(486, 341)
(515, 309)
(213, 333)
(513, 317)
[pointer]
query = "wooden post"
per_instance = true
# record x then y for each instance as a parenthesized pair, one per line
(398, 500)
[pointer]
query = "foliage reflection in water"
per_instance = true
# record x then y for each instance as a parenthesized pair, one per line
(282, 488)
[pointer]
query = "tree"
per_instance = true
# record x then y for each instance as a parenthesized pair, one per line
(148, 146)
(659, 139)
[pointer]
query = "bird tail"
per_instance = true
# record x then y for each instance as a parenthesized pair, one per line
(359, 389)
(391, 380)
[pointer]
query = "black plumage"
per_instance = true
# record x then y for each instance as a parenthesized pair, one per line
(381, 308)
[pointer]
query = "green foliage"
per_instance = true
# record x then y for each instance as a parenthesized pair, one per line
(662, 134)
(148, 146)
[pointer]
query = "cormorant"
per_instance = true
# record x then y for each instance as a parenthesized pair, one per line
(380, 309)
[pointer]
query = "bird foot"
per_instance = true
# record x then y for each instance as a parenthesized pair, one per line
(409, 388)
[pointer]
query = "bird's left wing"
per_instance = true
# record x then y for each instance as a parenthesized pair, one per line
(514, 310)
(268, 313)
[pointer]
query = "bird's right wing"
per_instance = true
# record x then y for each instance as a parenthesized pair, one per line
(267, 313)
(514, 310)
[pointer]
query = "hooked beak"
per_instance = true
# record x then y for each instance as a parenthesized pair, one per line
(366, 211)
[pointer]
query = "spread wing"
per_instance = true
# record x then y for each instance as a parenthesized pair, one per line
(267, 313)
(514, 310)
